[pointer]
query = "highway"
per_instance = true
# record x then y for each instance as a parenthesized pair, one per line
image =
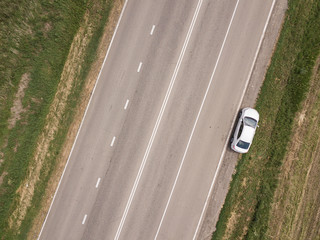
(157, 125)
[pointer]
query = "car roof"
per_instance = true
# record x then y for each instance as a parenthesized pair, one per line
(247, 134)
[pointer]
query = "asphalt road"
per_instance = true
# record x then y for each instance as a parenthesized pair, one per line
(159, 120)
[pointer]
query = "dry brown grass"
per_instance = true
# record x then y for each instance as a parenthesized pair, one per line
(17, 107)
(230, 224)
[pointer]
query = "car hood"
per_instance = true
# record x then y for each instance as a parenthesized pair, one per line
(250, 112)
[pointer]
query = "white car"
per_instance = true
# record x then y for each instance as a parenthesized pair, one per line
(245, 130)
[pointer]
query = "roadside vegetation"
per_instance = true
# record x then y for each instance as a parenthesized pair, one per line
(46, 51)
(274, 193)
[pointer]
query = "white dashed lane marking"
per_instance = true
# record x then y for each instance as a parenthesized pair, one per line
(153, 27)
(84, 219)
(97, 184)
(139, 68)
(112, 142)
(126, 105)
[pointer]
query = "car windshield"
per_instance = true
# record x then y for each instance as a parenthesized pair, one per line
(242, 144)
(250, 122)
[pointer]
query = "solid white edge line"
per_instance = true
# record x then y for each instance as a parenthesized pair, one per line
(155, 129)
(153, 27)
(94, 88)
(126, 105)
(84, 219)
(240, 102)
(195, 124)
(139, 68)
(112, 142)
(97, 184)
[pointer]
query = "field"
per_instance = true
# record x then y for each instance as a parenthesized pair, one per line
(274, 193)
(295, 209)
(47, 51)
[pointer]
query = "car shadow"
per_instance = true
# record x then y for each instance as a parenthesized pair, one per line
(233, 130)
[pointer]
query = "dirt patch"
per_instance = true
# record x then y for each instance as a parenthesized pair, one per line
(46, 28)
(1, 158)
(301, 118)
(84, 99)
(2, 177)
(17, 108)
(244, 182)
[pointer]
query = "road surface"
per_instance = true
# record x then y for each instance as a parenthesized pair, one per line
(157, 125)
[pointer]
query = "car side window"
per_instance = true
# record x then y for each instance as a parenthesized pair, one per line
(240, 130)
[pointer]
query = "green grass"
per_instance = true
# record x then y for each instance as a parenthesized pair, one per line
(284, 88)
(26, 46)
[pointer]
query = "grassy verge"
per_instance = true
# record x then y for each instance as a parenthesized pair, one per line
(35, 42)
(246, 211)
(296, 204)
